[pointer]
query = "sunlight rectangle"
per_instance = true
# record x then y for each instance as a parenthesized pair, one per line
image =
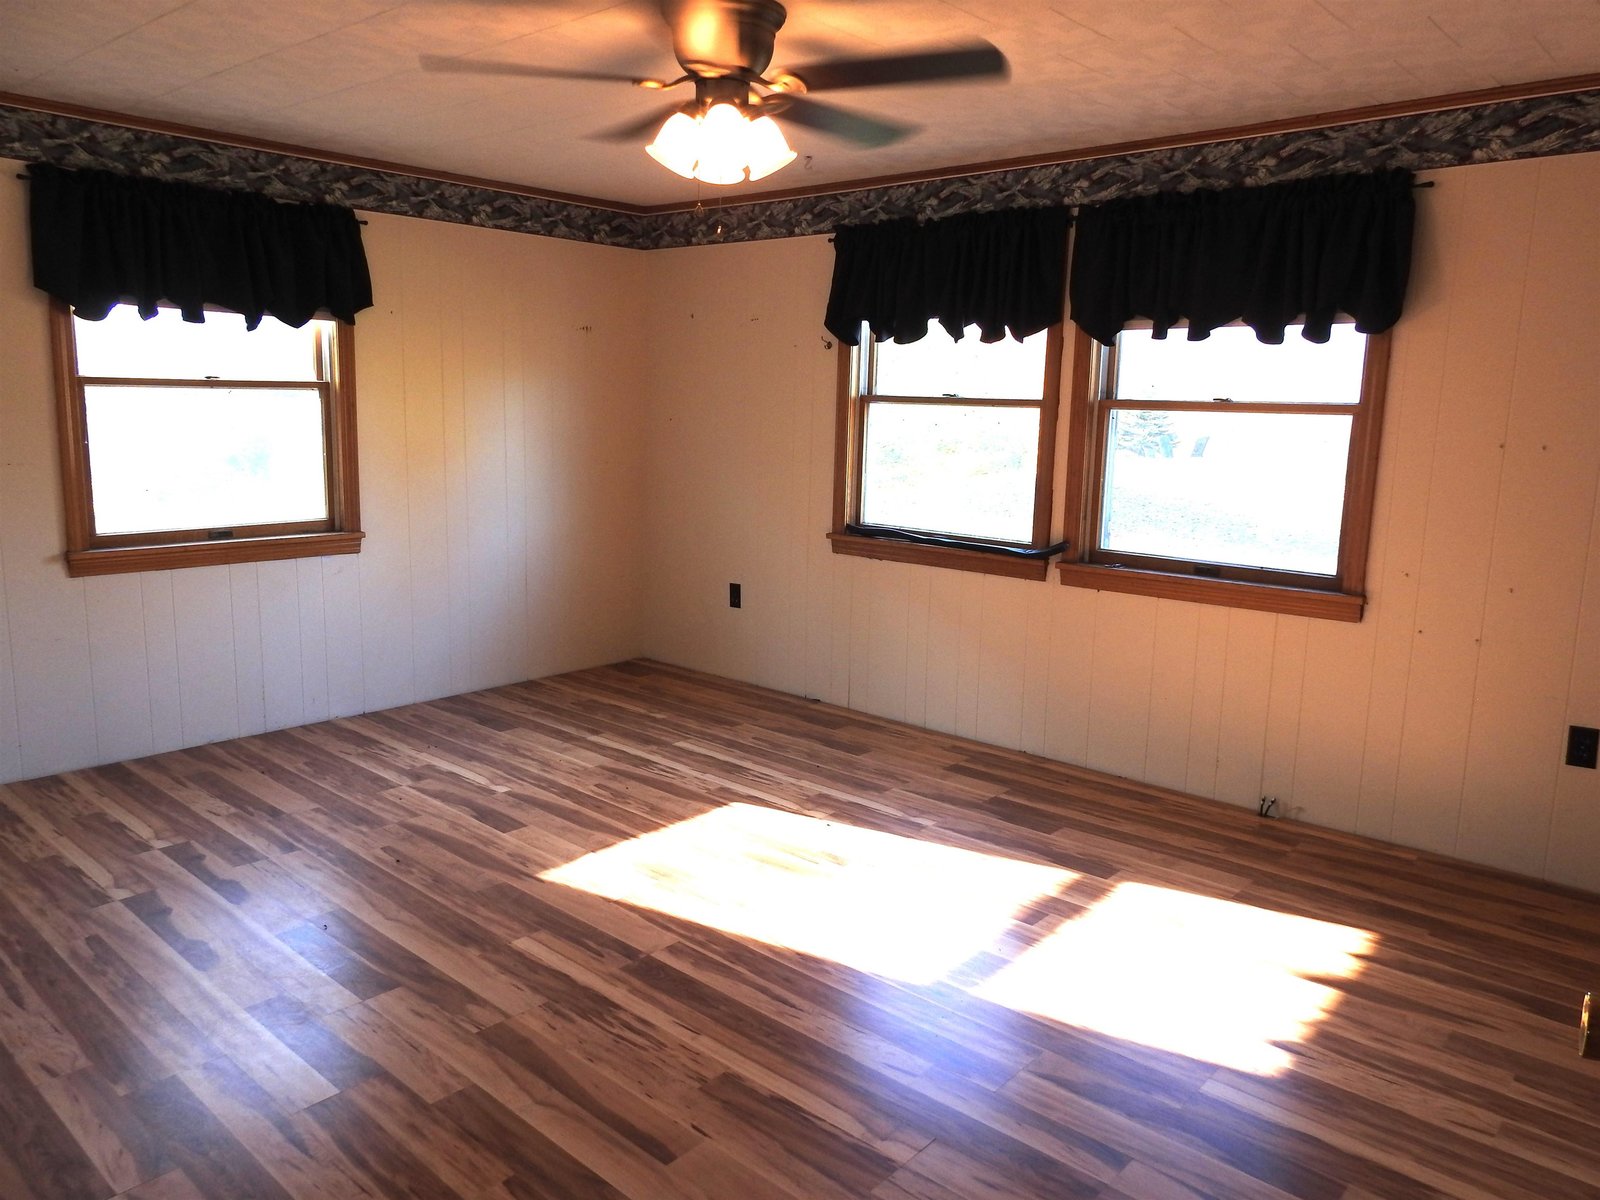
(877, 902)
(1210, 979)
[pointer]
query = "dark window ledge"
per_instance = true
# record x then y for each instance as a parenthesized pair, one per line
(895, 550)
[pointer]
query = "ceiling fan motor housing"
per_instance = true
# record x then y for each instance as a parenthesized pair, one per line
(716, 38)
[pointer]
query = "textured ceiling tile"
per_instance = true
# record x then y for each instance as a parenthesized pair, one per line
(42, 34)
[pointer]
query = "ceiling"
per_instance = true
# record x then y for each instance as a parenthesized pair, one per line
(343, 76)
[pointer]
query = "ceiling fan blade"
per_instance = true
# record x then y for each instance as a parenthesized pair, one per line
(484, 66)
(841, 123)
(971, 61)
(636, 128)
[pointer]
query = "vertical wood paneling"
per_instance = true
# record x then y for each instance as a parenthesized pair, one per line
(943, 661)
(1120, 683)
(1205, 716)
(387, 631)
(1002, 658)
(1071, 653)
(884, 600)
(1480, 357)
(161, 655)
(1574, 844)
(119, 666)
(426, 498)
(516, 364)
(1166, 752)
(248, 665)
(1036, 669)
(1284, 703)
(314, 639)
(490, 614)
(968, 649)
(1405, 467)
(1246, 694)
(1332, 722)
(341, 621)
(10, 742)
(454, 315)
(838, 577)
(123, 666)
(202, 612)
(282, 648)
(1548, 473)
(917, 647)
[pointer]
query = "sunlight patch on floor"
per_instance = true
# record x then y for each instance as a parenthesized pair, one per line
(878, 902)
(1211, 979)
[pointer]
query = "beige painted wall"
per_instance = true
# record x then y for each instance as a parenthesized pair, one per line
(1436, 722)
(500, 488)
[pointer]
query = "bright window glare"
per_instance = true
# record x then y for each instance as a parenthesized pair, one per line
(168, 347)
(164, 458)
(1250, 489)
(966, 470)
(1231, 364)
(874, 901)
(1209, 979)
(937, 365)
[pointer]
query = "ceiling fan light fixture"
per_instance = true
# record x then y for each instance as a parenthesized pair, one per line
(766, 149)
(724, 145)
(723, 133)
(677, 145)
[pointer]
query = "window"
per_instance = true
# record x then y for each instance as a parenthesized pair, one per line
(1227, 470)
(191, 444)
(945, 451)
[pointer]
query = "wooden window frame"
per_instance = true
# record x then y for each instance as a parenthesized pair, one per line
(92, 553)
(855, 369)
(1341, 598)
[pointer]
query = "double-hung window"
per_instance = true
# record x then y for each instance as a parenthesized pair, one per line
(188, 444)
(946, 449)
(1226, 470)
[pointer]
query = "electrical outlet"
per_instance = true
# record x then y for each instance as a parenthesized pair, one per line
(1583, 746)
(735, 596)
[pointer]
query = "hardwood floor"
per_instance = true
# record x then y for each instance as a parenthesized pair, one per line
(637, 932)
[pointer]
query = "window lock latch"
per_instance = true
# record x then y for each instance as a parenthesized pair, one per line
(219, 534)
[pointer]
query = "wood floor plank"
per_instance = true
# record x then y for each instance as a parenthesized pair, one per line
(357, 961)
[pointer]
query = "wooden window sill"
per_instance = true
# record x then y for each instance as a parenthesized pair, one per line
(124, 559)
(1262, 597)
(939, 556)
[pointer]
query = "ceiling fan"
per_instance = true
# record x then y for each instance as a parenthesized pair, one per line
(726, 133)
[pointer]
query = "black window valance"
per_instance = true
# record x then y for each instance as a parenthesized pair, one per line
(100, 239)
(1266, 256)
(1003, 271)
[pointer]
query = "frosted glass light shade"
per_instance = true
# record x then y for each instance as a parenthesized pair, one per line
(722, 146)
(677, 146)
(765, 148)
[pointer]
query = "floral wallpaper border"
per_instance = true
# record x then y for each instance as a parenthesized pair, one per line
(1562, 124)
